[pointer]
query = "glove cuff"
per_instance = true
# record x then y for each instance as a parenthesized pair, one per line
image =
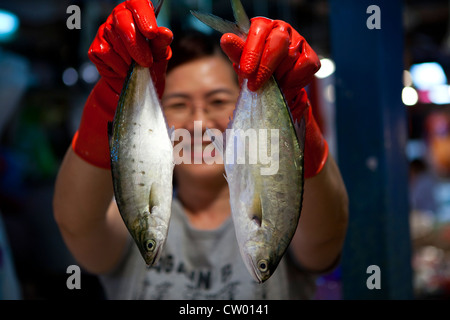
(316, 147)
(91, 141)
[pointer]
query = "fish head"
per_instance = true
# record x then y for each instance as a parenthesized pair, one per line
(260, 260)
(251, 232)
(150, 247)
(149, 235)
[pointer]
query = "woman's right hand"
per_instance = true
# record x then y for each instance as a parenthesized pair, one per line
(129, 33)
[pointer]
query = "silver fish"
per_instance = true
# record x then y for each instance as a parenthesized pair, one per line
(265, 205)
(142, 162)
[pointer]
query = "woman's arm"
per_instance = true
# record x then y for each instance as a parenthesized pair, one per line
(322, 227)
(87, 217)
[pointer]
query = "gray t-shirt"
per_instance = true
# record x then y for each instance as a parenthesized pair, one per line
(202, 264)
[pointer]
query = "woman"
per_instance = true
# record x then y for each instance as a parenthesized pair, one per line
(201, 259)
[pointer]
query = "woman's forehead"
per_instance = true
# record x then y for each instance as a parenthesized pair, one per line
(207, 71)
(215, 61)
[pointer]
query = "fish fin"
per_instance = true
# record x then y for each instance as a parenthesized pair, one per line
(256, 213)
(217, 140)
(300, 129)
(153, 199)
(240, 27)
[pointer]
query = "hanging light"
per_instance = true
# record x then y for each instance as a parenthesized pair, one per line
(427, 75)
(409, 96)
(327, 68)
(9, 24)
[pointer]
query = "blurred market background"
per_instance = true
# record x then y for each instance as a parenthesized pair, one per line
(45, 78)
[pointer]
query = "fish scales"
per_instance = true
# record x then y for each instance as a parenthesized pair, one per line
(142, 163)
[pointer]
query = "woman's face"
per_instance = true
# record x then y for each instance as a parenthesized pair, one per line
(199, 94)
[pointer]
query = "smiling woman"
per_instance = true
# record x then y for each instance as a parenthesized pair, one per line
(200, 259)
(201, 92)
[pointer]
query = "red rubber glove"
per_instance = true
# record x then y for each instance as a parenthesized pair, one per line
(273, 47)
(130, 32)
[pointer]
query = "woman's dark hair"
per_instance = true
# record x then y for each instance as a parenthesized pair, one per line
(191, 45)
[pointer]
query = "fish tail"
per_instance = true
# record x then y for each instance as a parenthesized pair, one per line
(240, 27)
(240, 15)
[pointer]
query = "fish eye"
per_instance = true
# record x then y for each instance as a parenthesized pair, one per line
(150, 245)
(263, 265)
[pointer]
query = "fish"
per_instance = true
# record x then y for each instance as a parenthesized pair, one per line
(142, 162)
(265, 207)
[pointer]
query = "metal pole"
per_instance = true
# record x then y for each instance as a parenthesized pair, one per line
(372, 134)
